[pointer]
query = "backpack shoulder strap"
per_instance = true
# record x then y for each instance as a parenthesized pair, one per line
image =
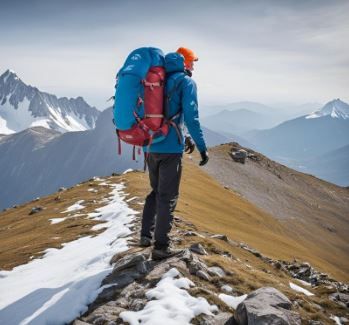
(178, 79)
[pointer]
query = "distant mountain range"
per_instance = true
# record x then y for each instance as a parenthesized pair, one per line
(306, 138)
(308, 135)
(332, 166)
(23, 106)
(238, 121)
(37, 161)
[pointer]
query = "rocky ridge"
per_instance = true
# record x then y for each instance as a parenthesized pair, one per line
(23, 106)
(134, 274)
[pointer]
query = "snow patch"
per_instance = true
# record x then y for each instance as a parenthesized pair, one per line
(57, 288)
(16, 120)
(75, 207)
(336, 319)
(300, 289)
(304, 282)
(232, 301)
(172, 304)
(56, 220)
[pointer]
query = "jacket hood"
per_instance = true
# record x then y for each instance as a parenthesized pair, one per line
(174, 62)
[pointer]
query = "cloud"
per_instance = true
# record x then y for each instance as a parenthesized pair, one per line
(249, 50)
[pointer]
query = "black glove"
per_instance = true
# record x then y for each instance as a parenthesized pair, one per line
(204, 158)
(189, 145)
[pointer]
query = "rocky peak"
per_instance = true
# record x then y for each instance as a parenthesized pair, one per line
(13, 90)
(35, 107)
(335, 108)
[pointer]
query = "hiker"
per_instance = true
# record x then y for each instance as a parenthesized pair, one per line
(164, 159)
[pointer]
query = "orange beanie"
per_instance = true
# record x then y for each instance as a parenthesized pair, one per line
(188, 54)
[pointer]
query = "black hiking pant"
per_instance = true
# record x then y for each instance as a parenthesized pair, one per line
(165, 171)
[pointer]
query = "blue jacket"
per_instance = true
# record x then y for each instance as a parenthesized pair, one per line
(184, 101)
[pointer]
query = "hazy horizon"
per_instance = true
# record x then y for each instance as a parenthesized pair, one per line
(268, 51)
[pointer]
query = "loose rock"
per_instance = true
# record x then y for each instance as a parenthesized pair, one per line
(198, 248)
(35, 210)
(266, 306)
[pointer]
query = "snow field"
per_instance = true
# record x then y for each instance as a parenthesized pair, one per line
(58, 287)
(172, 304)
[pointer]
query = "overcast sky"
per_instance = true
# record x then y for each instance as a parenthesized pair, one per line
(265, 51)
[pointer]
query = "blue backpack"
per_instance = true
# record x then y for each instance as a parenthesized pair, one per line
(140, 105)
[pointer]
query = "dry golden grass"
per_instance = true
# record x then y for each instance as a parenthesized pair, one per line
(204, 203)
(24, 236)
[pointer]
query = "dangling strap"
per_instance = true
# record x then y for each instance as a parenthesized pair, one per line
(134, 153)
(179, 135)
(146, 155)
(119, 142)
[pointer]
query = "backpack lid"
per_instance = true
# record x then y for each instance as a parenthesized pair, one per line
(174, 62)
(140, 60)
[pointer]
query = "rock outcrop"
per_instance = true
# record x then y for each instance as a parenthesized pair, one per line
(266, 306)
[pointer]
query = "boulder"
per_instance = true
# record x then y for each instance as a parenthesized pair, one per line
(216, 271)
(266, 306)
(239, 155)
(128, 261)
(35, 210)
(340, 298)
(203, 275)
(198, 248)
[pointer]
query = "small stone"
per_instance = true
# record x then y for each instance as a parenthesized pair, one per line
(35, 210)
(144, 267)
(186, 255)
(195, 265)
(198, 248)
(216, 271)
(340, 298)
(227, 288)
(221, 237)
(137, 304)
(203, 275)
(277, 265)
(128, 261)
(80, 322)
(62, 189)
(57, 198)
(190, 233)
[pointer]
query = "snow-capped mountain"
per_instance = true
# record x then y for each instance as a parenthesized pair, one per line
(58, 159)
(23, 106)
(335, 108)
(306, 137)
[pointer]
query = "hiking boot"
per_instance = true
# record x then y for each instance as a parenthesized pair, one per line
(145, 241)
(164, 252)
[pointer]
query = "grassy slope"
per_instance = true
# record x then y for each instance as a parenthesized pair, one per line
(203, 201)
(209, 206)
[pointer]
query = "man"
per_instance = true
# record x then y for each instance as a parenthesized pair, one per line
(165, 158)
